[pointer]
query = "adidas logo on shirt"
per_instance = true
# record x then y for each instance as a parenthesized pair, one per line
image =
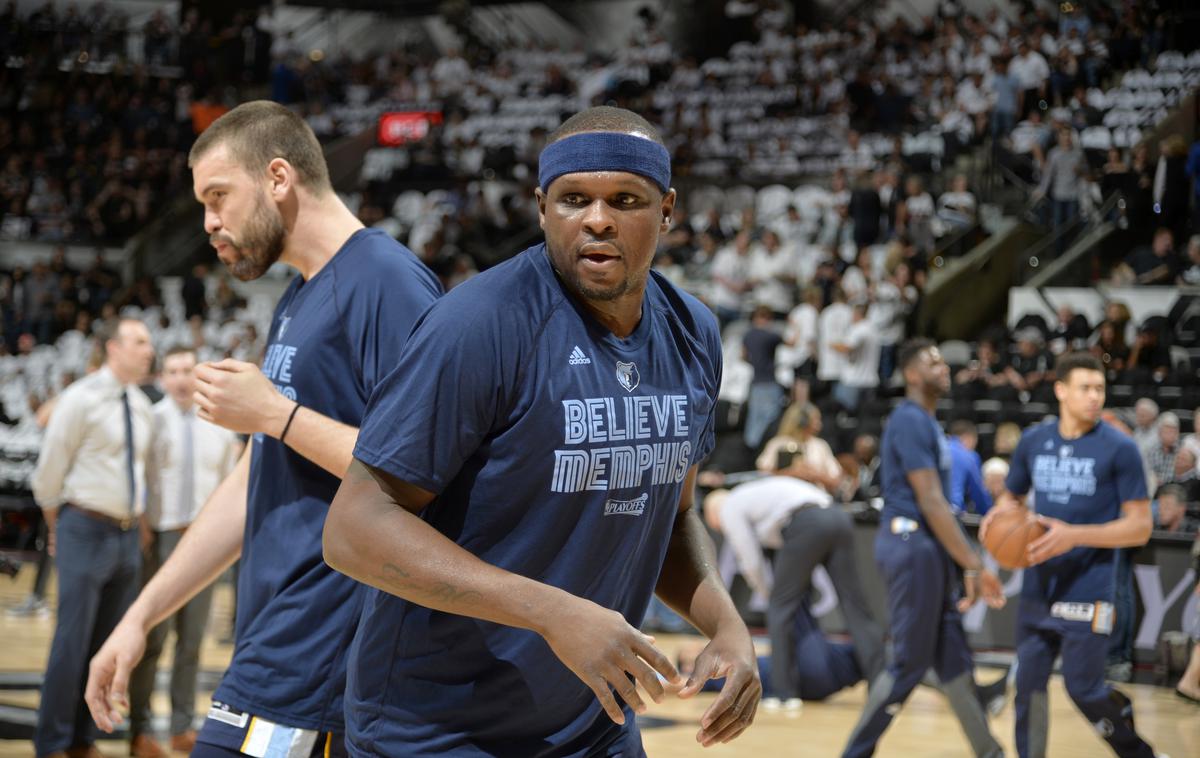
(578, 358)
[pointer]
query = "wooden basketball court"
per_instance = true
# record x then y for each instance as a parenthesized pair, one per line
(924, 728)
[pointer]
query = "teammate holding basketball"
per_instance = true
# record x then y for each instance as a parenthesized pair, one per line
(337, 330)
(524, 481)
(1089, 488)
(917, 546)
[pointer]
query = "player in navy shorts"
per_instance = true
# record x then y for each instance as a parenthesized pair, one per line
(524, 482)
(1087, 484)
(337, 330)
(919, 548)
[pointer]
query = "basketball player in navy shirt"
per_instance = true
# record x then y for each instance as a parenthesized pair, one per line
(1089, 490)
(523, 482)
(337, 330)
(919, 548)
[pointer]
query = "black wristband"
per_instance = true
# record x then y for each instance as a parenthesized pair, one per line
(288, 425)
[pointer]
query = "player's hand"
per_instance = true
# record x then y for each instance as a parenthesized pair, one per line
(607, 654)
(237, 396)
(991, 515)
(984, 586)
(1058, 539)
(108, 675)
(730, 654)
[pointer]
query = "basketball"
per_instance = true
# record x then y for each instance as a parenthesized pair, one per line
(1009, 535)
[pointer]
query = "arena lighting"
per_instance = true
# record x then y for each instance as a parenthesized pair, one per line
(397, 128)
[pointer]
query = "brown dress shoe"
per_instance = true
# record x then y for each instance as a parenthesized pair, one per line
(184, 741)
(144, 746)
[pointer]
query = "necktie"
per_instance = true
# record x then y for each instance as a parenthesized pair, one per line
(129, 451)
(187, 490)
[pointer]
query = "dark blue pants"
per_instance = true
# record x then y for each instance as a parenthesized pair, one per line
(927, 632)
(1040, 639)
(823, 667)
(817, 536)
(330, 746)
(98, 567)
(1120, 645)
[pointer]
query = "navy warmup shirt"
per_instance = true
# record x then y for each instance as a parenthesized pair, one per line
(333, 338)
(912, 440)
(556, 451)
(1080, 481)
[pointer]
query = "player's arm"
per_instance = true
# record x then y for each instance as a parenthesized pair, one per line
(208, 547)
(927, 487)
(237, 396)
(690, 584)
(373, 534)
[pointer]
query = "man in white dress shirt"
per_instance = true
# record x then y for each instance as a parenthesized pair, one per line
(188, 458)
(89, 483)
(794, 518)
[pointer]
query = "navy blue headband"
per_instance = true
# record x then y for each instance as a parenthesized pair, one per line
(605, 151)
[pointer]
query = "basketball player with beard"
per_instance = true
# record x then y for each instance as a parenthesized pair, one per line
(338, 329)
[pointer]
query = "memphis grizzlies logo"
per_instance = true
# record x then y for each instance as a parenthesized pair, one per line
(627, 375)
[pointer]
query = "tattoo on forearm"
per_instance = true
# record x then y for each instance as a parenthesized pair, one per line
(394, 578)
(450, 593)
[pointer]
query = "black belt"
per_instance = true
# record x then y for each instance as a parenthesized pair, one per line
(124, 524)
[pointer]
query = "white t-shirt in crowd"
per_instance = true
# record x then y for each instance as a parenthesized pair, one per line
(862, 362)
(831, 329)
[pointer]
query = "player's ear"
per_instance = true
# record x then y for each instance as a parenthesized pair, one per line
(541, 204)
(668, 208)
(1060, 390)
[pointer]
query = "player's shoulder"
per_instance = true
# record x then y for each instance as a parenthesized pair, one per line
(908, 411)
(373, 260)
(510, 299)
(1036, 435)
(684, 308)
(1112, 437)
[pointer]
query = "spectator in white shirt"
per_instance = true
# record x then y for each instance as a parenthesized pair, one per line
(895, 297)
(1032, 71)
(860, 345)
(914, 216)
(731, 278)
(89, 482)
(796, 358)
(773, 271)
(956, 208)
(451, 72)
(857, 156)
(188, 458)
(832, 325)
